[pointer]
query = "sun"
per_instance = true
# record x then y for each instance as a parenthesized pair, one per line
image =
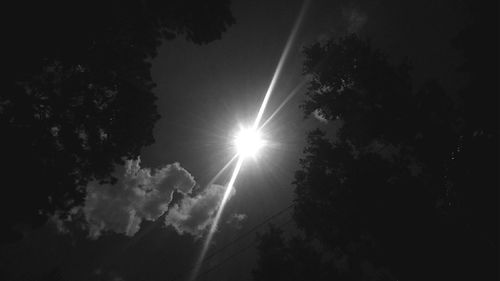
(248, 142)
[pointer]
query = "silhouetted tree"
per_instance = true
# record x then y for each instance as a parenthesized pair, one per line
(286, 261)
(53, 275)
(387, 198)
(475, 171)
(79, 95)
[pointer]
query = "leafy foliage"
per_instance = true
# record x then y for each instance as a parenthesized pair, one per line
(79, 99)
(280, 261)
(394, 195)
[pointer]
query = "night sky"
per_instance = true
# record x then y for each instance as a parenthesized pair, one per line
(204, 93)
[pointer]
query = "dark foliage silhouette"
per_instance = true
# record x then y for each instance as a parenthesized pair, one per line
(408, 188)
(280, 261)
(79, 96)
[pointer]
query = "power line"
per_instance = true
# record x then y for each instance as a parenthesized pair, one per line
(245, 234)
(235, 254)
(249, 231)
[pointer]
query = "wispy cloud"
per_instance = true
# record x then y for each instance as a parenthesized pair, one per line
(236, 220)
(140, 194)
(354, 18)
(193, 215)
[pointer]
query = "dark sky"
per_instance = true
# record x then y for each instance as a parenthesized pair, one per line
(205, 92)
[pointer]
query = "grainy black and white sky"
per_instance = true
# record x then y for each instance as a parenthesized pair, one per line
(204, 92)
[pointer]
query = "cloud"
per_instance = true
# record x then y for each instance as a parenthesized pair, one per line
(107, 275)
(60, 220)
(194, 214)
(139, 194)
(354, 19)
(236, 220)
(320, 116)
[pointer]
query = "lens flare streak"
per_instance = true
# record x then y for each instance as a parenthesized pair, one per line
(213, 227)
(287, 99)
(222, 170)
(281, 62)
(255, 127)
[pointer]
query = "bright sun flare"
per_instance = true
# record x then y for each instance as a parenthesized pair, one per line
(248, 142)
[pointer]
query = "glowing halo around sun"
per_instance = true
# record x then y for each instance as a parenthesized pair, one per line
(248, 141)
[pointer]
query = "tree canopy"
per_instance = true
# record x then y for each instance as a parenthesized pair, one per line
(79, 97)
(407, 189)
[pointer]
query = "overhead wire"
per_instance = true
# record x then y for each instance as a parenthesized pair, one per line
(260, 113)
(245, 234)
(240, 251)
(240, 237)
